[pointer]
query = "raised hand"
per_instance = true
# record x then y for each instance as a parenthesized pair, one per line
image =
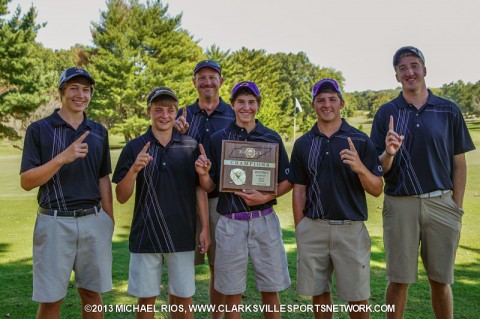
(142, 160)
(181, 124)
(77, 149)
(393, 141)
(202, 164)
(350, 157)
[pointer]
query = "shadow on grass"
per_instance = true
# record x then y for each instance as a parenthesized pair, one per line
(16, 288)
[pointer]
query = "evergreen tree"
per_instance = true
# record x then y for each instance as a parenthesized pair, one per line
(22, 74)
(139, 47)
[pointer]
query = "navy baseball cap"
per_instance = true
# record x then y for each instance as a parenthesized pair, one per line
(74, 72)
(330, 82)
(162, 90)
(407, 49)
(207, 64)
(249, 85)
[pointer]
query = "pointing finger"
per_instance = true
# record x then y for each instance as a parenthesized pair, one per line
(81, 138)
(184, 113)
(145, 148)
(202, 150)
(352, 147)
(391, 123)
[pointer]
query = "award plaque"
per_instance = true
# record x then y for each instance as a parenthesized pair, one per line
(249, 165)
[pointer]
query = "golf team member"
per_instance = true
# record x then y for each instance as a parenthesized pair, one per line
(68, 157)
(421, 140)
(332, 166)
(248, 225)
(209, 114)
(161, 163)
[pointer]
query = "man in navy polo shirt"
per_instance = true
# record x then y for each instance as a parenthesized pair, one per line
(68, 157)
(331, 168)
(421, 140)
(209, 114)
(161, 164)
(248, 225)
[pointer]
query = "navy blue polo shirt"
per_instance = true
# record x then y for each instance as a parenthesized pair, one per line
(334, 191)
(228, 202)
(433, 135)
(165, 199)
(75, 185)
(202, 126)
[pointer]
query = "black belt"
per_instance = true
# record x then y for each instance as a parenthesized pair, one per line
(69, 213)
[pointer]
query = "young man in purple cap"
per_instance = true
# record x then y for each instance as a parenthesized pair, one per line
(332, 167)
(248, 225)
(209, 114)
(68, 157)
(161, 164)
(421, 140)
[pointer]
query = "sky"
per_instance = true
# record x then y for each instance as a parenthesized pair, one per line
(356, 37)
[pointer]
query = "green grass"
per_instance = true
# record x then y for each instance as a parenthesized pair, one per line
(17, 213)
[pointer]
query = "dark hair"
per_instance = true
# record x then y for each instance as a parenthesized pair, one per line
(164, 100)
(328, 88)
(244, 91)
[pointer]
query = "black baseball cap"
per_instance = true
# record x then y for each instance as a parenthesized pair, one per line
(162, 90)
(407, 49)
(207, 64)
(74, 72)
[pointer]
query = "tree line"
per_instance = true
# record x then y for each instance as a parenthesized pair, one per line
(138, 46)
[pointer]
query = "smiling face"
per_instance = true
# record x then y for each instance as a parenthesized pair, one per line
(246, 107)
(327, 105)
(207, 81)
(411, 72)
(76, 95)
(162, 113)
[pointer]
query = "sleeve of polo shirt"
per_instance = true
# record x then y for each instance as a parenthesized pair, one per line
(283, 164)
(125, 161)
(31, 156)
(106, 166)
(462, 139)
(379, 130)
(370, 158)
(298, 173)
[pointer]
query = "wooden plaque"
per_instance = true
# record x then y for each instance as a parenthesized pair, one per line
(249, 165)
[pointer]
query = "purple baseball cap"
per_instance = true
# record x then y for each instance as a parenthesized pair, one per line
(162, 90)
(323, 82)
(249, 85)
(207, 64)
(71, 73)
(407, 49)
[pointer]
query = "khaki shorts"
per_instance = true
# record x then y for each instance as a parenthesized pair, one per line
(63, 244)
(213, 217)
(145, 274)
(432, 223)
(259, 238)
(323, 249)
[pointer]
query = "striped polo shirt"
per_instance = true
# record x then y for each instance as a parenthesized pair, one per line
(434, 134)
(334, 191)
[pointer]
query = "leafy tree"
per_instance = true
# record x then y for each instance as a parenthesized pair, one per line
(257, 66)
(22, 77)
(139, 47)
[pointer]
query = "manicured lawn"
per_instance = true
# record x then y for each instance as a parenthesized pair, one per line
(17, 213)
